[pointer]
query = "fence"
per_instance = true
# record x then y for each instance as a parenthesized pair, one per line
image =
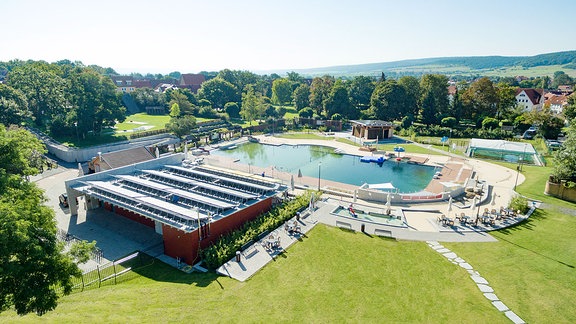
(112, 272)
(69, 239)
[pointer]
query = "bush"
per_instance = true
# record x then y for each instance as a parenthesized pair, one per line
(449, 122)
(232, 109)
(306, 112)
(519, 203)
(490, 123)
(226, 246)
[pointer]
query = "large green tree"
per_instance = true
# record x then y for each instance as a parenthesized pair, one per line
(506, 100)
(565, 157)
(412, 88)
(253, 106)
(43, 87)
(301, 96)
(319, 91)
(388, 100)
(219, 91)
(361, 88)
(181, 126)
(13, 106)
(281, 91)
(33, 267)
(481, 99)
(435, 86)
(338, 102)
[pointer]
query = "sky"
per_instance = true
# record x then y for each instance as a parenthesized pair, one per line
(257, 35)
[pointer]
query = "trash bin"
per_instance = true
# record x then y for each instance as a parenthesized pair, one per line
(362, 227)
(238, 255)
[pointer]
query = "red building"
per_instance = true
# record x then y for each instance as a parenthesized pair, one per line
(189, 206)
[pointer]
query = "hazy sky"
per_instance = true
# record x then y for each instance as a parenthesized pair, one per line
(191, 36)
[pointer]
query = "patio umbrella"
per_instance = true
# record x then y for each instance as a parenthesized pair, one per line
(473, 207)
(449, 205)
(493, 203)
(355, 195)
(299, 173)
(80, 170)
(292, 182)
(185, 150)
(157, 152)
(388, 204)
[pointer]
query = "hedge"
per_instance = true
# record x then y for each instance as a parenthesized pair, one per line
(226, 246)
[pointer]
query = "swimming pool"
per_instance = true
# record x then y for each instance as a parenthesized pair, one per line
(335, 167)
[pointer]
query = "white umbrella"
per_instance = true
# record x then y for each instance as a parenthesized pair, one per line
(493, 203)
(388, 203)
(185, 150)
(355, 195)
(157, 152)
(80, 170)
(449, 205)
(292, 182)
(299, 173)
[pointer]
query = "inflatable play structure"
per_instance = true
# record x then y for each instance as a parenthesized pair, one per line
(375, 159)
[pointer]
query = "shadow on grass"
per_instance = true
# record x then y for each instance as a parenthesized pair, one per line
(528, 224)
(160, 271)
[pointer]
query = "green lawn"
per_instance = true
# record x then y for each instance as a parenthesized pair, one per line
(143, 119)
(532, 266)
(313, 136)
(332, 276)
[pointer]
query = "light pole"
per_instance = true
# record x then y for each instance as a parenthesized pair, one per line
(519, 167)
(77, 136)
(319, 168)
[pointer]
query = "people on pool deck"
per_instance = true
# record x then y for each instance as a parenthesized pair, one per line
(351, 210)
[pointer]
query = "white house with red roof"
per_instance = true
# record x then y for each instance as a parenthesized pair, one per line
(530, 99)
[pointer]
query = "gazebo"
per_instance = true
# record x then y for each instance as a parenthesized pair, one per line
(372, 129)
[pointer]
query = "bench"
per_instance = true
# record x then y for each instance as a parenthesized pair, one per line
(381, 232)
(343, 225)
(249, 249)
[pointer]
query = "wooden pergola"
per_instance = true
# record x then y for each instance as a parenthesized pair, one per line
(372, 129)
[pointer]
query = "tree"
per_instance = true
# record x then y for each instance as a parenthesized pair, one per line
(338, 102)
(33, 265)
(281, 91)
(435, 86)
(361, 88)
(319, 91)
(218, 91)
(506, 100)
(184, 105)
(412, 88)
(429, 111)
(13, 106)
(490, 123)
(565, 158)
(146, 97)
(252, 106)
(306, 112)
(43, 88)
(449, 122)
(481, 98)
(181, 126)
(388, 100)
(570, 110)
(175, 110)
(561, 78)
(301, 96)
(232, 109)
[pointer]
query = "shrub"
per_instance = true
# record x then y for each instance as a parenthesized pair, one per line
(490, 123)
(519, 203)
(306, 112)
(226, 246)
(449, 122)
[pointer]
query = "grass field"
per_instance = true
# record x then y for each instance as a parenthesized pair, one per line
(332, 276)
(532, 267)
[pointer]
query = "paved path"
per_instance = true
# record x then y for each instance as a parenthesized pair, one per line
(480, 281)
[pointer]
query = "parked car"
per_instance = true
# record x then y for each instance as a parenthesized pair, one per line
(63, 198)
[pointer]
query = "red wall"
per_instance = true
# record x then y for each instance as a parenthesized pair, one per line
(133, 216)
(185, 245)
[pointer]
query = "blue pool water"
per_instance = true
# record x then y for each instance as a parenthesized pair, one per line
(335, 167)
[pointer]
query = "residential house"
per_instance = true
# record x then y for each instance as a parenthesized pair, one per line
(557, 103)
(127, 84)
(191, 81)
(529, 99)
(566, 89)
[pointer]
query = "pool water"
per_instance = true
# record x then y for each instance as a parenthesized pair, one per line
(370, 216)
(311, 160)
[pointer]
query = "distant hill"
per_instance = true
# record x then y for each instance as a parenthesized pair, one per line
(468, 65)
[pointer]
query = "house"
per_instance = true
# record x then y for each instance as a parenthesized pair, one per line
(127, 84)
(566, 89)
(529, 99)
(372, 129)
(191, 81)
(189, 206)
(111, 160)
(556, 103)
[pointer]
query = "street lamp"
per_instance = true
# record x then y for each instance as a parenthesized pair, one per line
(519, 167)
(319, 168)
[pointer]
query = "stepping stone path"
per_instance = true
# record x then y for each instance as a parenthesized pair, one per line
(480, 281)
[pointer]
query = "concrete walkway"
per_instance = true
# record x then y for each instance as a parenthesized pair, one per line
(480, 281)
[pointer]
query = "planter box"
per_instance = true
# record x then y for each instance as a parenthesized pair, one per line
(560, 191)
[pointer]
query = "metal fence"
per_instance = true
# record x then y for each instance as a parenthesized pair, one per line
(112, 272)
(96, 254)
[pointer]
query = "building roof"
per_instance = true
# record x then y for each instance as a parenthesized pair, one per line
(534, 95)
(192, 79)
(142, 84)
(174, 195)
(557, 100)
(124, 157)
(372, 123)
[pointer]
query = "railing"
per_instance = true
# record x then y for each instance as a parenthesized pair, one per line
(96, 254)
